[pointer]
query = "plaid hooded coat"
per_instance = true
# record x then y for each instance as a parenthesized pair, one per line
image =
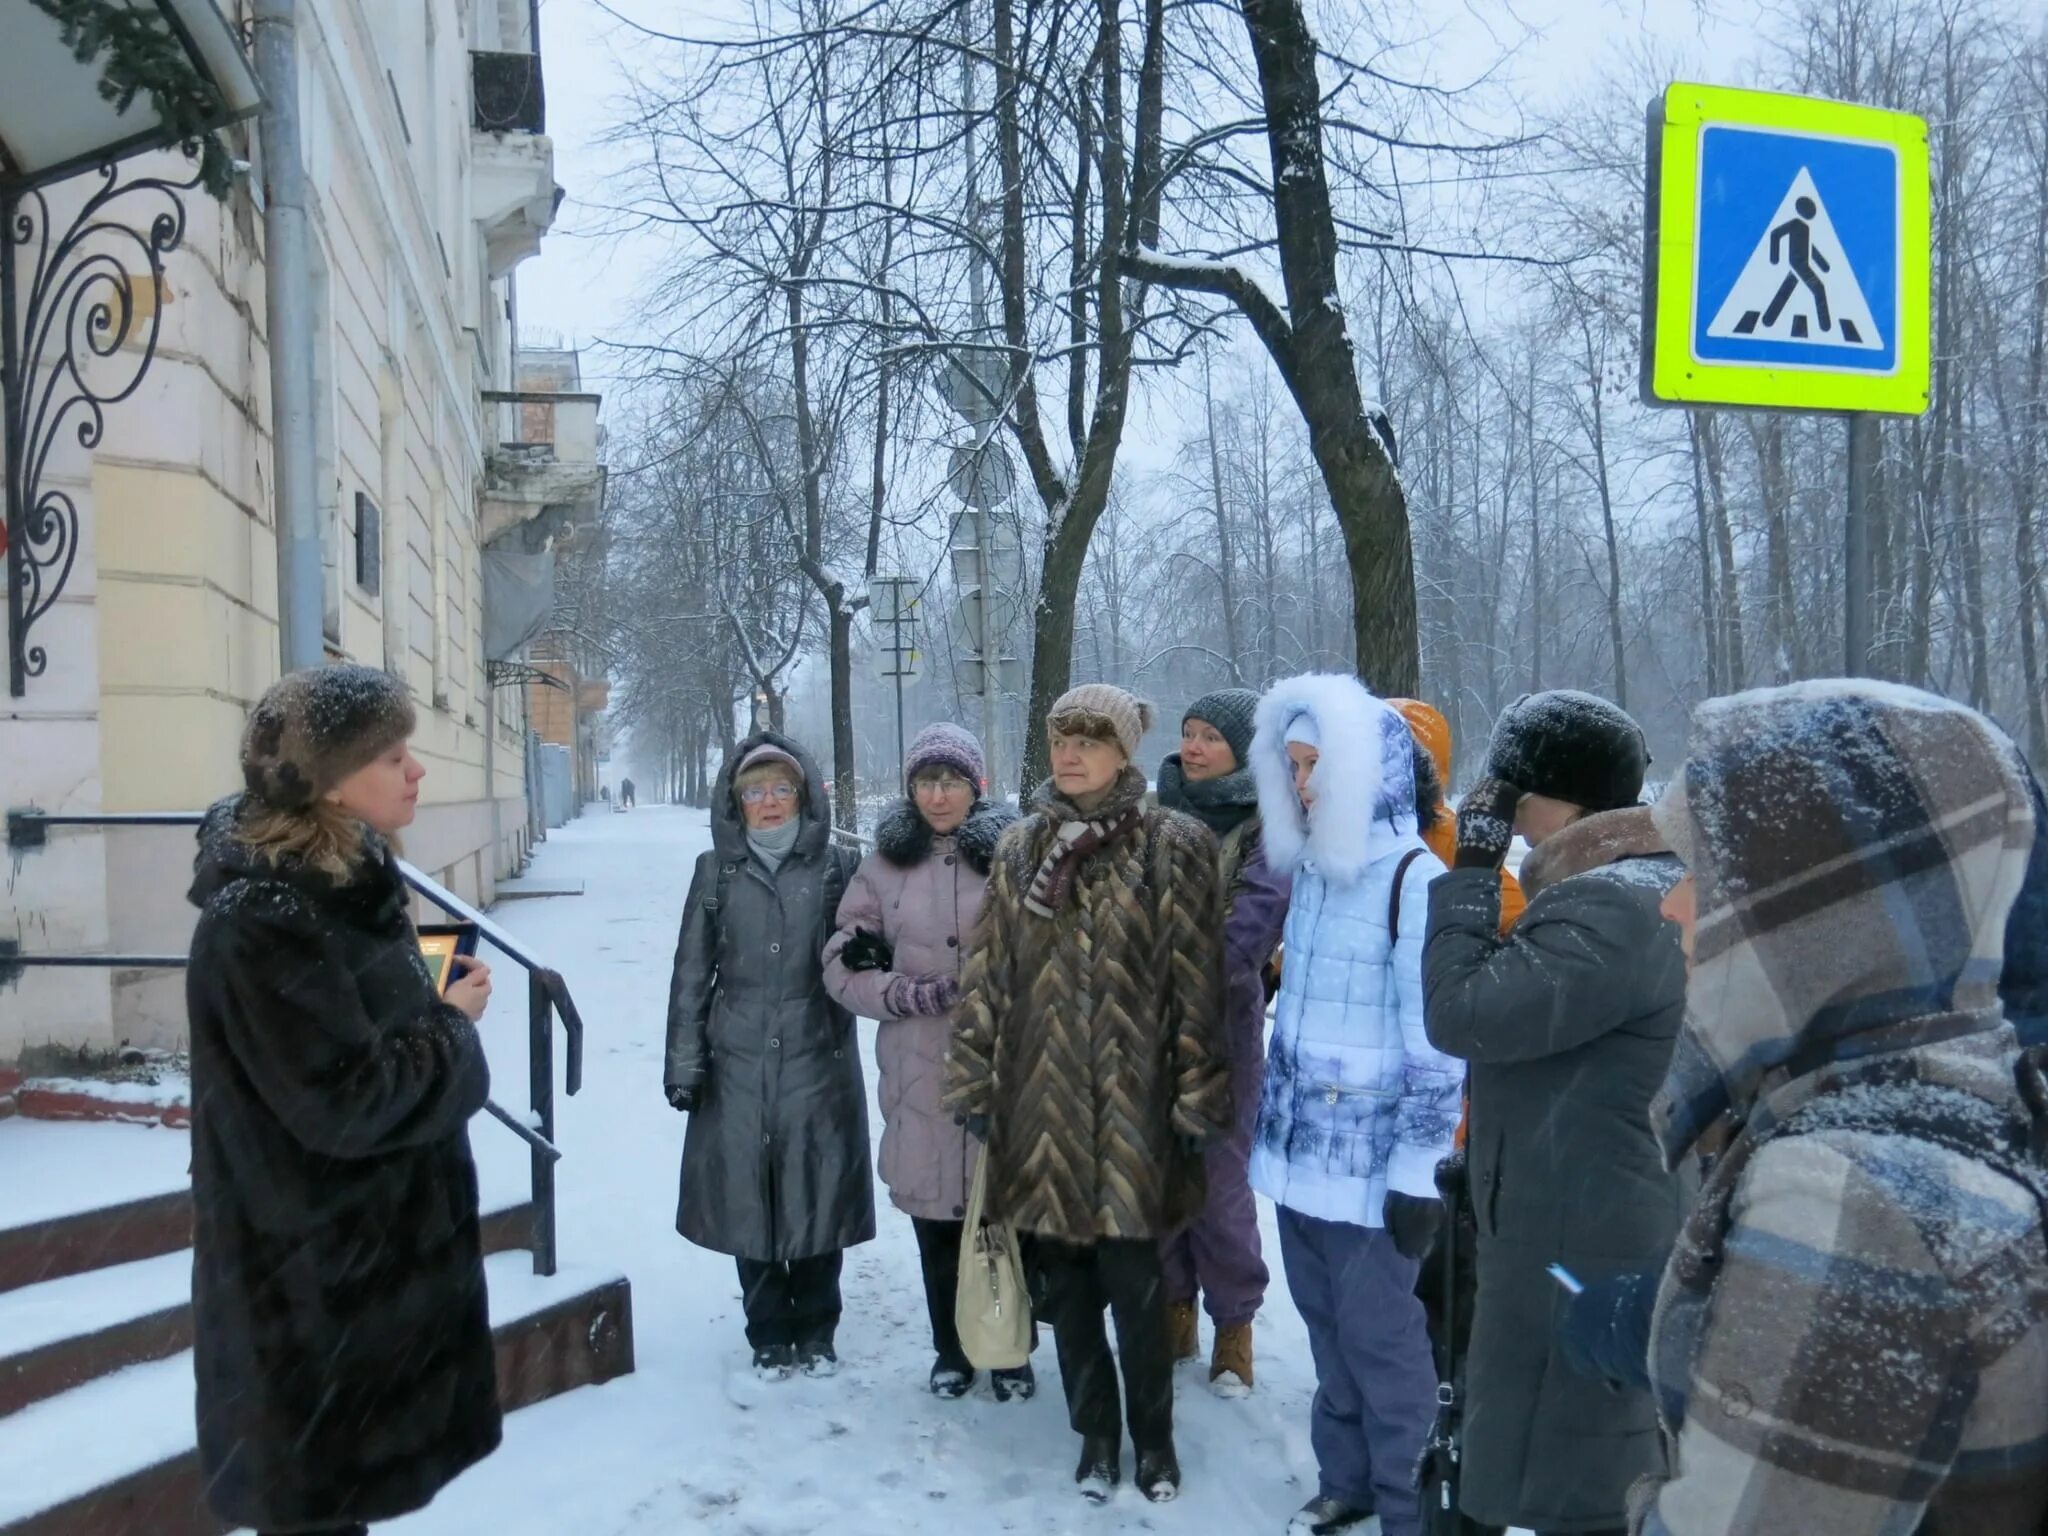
(1850, 1337)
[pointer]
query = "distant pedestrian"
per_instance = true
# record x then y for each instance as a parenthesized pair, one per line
(1358, 1106)
(342, 1342)
(626, 793)
(1089, 1055)
(1852, 1335)
(1218, 1256)
(897, 958)
(1567, 1022)
(765, 1062)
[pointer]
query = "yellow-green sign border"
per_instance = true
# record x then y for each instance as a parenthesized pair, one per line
(1671, 375)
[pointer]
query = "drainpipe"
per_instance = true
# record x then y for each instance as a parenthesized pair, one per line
(288, 307)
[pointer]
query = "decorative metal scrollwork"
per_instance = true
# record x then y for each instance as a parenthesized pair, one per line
(76, 341)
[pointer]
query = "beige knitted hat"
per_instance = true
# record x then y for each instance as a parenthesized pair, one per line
(1128, 715)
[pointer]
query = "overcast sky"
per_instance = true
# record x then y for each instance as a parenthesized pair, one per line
(585, 286)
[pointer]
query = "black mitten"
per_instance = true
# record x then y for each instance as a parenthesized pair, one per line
(1486, 824)
(867, 952)
(1412, 1221)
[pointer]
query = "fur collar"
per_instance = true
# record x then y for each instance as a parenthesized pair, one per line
(905, 839)
(1365, 777)
(1592, 842)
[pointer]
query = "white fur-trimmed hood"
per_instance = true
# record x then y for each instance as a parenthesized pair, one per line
(1365, 777)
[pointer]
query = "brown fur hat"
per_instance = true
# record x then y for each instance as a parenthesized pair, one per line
(316, 727)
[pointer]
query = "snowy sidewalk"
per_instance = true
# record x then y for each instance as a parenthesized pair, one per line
(691, 1441)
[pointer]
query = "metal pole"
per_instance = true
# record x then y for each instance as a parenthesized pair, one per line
(288, 308)
(14, 393)
(540, 1057)
(1857, 615)
(899, 709)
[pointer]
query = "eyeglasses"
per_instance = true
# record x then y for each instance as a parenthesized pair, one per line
(756, 794)
(940, 784)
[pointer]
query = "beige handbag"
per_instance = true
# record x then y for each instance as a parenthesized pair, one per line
(992, 1310)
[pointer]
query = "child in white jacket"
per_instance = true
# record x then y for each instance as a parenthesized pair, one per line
(1358, 1106)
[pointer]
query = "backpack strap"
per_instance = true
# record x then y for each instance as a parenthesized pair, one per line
(1400, 879)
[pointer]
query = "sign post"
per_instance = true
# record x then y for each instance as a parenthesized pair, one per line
(892, 605)
(1786, 267)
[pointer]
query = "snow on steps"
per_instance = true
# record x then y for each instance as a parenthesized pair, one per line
(116, 1457)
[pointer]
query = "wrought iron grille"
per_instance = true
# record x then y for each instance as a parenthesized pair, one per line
(77, 336)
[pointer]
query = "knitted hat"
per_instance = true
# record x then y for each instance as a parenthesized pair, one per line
(767, 753)
(946, 746)
(316, 727)
(1570, 746)
(1230, 711)
(1129, 716)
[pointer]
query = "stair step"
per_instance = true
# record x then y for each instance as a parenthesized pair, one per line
(61, 1333)
(115, 1456)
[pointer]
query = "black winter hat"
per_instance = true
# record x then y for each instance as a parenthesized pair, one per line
(1230, 710)
(1570, 746)
(316, 727)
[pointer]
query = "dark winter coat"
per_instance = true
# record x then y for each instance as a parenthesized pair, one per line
(921, 894)
(775, 1160)
(1852, 1335)
(1092, 1040)
(2023, 986)
(342, 1342)
(1567, 1022)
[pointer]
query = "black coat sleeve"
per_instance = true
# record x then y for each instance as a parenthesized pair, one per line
(693, 983)
(342, 1082)
(1567, 973)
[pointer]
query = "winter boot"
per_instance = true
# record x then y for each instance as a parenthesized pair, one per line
(1230, 1361)
(1020, 1385)
(1101, 1467)
(951, 1379)
(1159, 1474)
(1183, 1332)
(775, 1362)
(1324, 1516)
(815, 1358)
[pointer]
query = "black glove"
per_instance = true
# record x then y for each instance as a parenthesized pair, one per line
(1452, 1175)
(679, 1097)
(1486, 824)
(1412, 1221)
(867, 952)
(1605, 1332)
(977, 1125)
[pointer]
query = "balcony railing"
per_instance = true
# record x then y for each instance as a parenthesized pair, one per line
(506, 92)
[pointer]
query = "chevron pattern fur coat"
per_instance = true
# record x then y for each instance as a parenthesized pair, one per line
(1092, 1040)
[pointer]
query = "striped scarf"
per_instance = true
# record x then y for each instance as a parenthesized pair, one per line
(1077, 835)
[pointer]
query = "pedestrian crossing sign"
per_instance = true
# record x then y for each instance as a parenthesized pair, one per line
(1786, 254)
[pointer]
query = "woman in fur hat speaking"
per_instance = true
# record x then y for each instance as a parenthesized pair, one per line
(342, 1343)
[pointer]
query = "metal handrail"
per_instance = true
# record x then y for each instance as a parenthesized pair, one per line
(547, 996)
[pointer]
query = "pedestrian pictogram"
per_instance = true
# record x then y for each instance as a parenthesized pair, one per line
(1797, 285)
(1786, 254)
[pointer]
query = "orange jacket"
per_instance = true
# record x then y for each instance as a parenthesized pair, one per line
(1434, 732)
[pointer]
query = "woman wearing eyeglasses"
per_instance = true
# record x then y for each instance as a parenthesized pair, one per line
(897, 958)
(764, 1061)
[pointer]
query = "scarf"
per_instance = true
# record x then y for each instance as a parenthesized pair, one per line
(1077, 834)
(773, 845)
(1222, 805)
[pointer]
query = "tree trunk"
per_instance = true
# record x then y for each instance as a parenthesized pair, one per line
(1615, 637)
(1226, 575)
(1735, 668)
(1710, 617)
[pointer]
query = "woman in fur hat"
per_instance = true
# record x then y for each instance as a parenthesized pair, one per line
(341, 1340)
(896, 958)
(1089, 1058)
(764, 1061)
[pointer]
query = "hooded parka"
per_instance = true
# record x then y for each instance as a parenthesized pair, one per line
(775, 1160)
(1852, 1334)
(342, 1342)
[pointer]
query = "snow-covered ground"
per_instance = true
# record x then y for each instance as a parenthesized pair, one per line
(691, 1440)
